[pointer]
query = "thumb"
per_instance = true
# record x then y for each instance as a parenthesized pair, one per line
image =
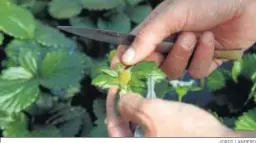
(153, 32)
(141, 111)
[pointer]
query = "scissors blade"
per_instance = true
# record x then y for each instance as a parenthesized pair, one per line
(105, 35)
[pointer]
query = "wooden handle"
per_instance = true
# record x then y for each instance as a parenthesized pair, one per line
(218, 54)
(228, 54)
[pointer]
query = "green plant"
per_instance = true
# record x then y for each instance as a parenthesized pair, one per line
(53, 84)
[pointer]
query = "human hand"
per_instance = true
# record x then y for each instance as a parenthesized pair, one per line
(161, 118)
(204, 26)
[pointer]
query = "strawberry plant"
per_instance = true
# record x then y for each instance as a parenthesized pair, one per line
(53, 84)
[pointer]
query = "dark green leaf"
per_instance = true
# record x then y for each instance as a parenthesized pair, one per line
(87, 125)
(216, 80)
(45, 101)
(1, 38)
(68, 119)
(51, 37)
(39, 6)
(101, 4)
(24, 3)
(138, 13)
(100, 130)
(117, 22)
(246, 122)
(61, 69)
(45, 131)
(16, 21)
(14, 48)
(229, 122)
(63, 9)
(70, 128)
(134, 2)
(82, 22)
(99, 108)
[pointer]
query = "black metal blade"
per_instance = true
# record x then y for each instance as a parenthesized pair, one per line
(105, 35)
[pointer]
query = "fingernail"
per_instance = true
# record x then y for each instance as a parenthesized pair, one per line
(128, 55)
(188, 42)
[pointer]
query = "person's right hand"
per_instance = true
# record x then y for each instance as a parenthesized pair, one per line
(220, 24)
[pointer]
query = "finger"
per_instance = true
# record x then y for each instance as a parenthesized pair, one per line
(121, 48)
(215, 64)
(115, 126)
(177, 59)
(153, 33)
(131, 108)
(116, 58)
(110, 110)
(203, 56)
(155, 57)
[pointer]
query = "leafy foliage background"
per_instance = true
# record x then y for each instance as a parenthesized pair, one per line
(48, 83)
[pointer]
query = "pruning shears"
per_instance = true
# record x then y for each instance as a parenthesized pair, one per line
(127, 39)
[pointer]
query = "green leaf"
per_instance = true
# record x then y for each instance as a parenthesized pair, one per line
(138, 86)
(70, 128)
(101, 4)
(38, 7)
(245, 67)
(51, 37)
(134, 2)
(119, 22)
(61, 69)
(162, 88)
(16, 21)
(229, 122)
(45, 101)
(24, 3)
(144, 69)
(15, 73)
(236, 69)
(16, 95)
(108, 71)
(138, 13)
(105, 81)
(85, 22)
(68, 119)
(64, 9)
(246, 122)
(87, 125)
(29, 58)
(1, 38)
(216, 80)
(183, 87)
(45, 131)
(14, 48)
(18, 127)
(5, 118)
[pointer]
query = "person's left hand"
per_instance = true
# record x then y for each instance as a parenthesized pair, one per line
(160, 118)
